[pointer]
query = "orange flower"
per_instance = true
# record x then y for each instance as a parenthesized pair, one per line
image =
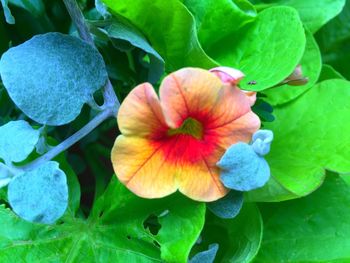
(173, 143)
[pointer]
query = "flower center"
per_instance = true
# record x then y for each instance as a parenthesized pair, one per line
(189, 126)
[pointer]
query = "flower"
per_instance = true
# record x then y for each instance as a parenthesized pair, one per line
(173, 143)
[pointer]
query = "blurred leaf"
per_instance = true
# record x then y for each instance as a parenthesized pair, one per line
(216, 20)
(328, 72)
(39, 195)
(311, 135)
(125, 32)
(7, 12)
(51, 76)
(35, 7)
(334, 42)
(298, 230)
(311, 67)
(17, 141)
(228, 206)
(164, 30)
(267, 50)
(114, 232)
(238, 238)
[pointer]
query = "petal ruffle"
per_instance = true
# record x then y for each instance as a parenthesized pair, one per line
(188, 93)
(140, 113)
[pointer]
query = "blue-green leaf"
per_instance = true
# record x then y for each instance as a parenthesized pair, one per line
(51, 76)
(228, 206)
(207, 256)
(17, 141)
(40, 195)
(7, 12)
(242, 169)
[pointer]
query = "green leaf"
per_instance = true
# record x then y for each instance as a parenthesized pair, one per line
(174, 212)
(315, 13)
(120, 31)
(115, 232)
(311, 135)
(39, 195)
(17, 141)
(172, 32)
(312, 229)
(238, 238)
(334, 38)
(311, 66)
(216, 20)
(51, 76)
(267, 51)
(7, 12)
(328, 72)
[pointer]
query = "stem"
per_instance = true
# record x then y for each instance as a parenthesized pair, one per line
(74, 11)
(70, 141)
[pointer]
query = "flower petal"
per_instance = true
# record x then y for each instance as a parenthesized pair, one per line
(201, 181)
(141, 166)
(140, 113)
(189, 92)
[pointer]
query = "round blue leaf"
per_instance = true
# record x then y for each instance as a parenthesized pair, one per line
(40, 195)
(228, 206)
(17, 141)
(242, 169)
(207, 256)
(51, 76)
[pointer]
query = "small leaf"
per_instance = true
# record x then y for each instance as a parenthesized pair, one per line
(242, 168)
(127, 33)
(17, 141)
(328, 72)
(40, 195)
(228, 206)
(7, 12)
(207, 256)
(51, 76)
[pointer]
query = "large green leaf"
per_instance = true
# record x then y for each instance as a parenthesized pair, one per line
(311, 66)
(312, 229)
(51, 76)
(115, 232)
(267, 51)
(218, 19)
(169, 27)
(312, 134)
(238, 238)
